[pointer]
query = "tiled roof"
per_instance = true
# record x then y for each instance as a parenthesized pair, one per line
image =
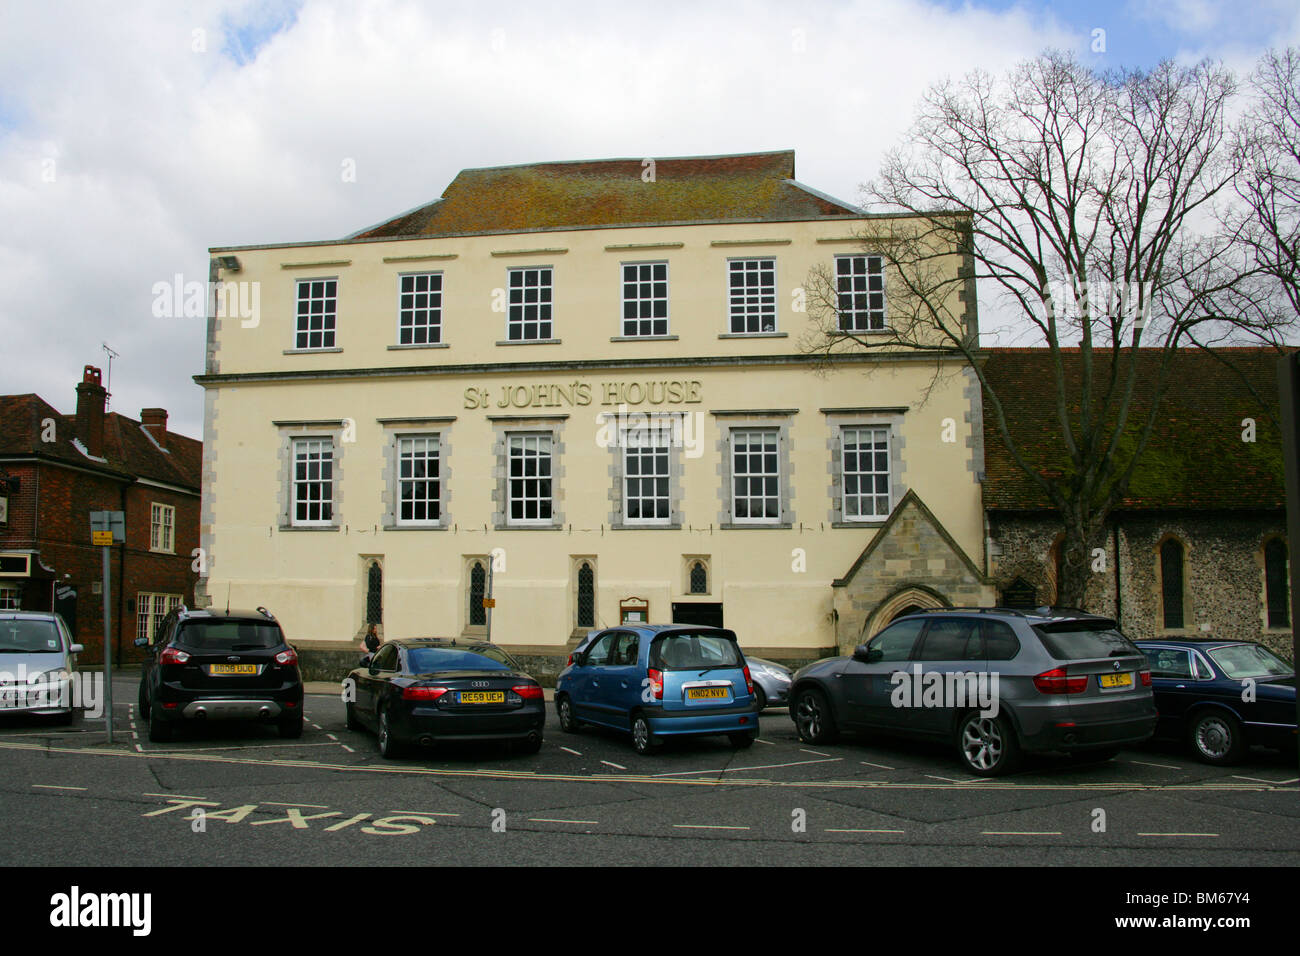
(127, 449)
(1196, 458)
(605, 192)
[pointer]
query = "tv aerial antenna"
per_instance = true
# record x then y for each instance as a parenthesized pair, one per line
(108, 386)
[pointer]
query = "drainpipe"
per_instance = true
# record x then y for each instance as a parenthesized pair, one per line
(121, 588)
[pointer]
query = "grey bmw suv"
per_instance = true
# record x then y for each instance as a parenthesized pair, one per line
(995, 682)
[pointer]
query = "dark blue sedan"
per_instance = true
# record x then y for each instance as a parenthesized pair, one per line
(1222, 697)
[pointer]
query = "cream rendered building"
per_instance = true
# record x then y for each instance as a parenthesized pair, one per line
(583, 385)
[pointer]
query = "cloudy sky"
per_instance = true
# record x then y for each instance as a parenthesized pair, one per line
(135, 136)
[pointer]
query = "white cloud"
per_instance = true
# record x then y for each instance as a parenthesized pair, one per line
(162, 152)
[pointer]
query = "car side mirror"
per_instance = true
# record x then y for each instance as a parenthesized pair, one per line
(76, 648)
(865, 655)
(139, 642)
(580, 660)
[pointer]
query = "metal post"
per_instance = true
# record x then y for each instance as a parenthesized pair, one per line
(1288, 393)
(489, 602)
(108, 651)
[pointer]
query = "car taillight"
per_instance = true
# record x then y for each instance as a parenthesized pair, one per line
(656, 679)
(1056, 681)
(171, 655)
(528, 691)
(570, 661)
(422, 693)
(1146, 678)
(749, 681)
(287, 657)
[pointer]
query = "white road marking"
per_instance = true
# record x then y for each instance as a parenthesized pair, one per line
(421, 813)
(949, 779)
(616, 766)
(318, 726)
(574, 752)
(1180, 834)
(347, 748)
(817, 752)
(760, 740)
(770, 766)
(176, 796)
(50, 786)
(314, 806)
(1262, 780)
(1162, 766)
(832, 830)
(545, 820)
(232, 747)
(332, 737)
(139, 749)
(703, 826)
(868, 763)
(1021, 832)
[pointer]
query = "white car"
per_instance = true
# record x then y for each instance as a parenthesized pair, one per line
(37, 661)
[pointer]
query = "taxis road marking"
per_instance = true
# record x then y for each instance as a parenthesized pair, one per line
(1021, 832)
(770, 766)
(704, 826)
(582, 822)
(846, 830)
(631, 778)
(1180, 834)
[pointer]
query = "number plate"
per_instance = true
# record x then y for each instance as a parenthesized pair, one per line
(232, 670)
(707, 693)
(1115, 680)
(482, 697)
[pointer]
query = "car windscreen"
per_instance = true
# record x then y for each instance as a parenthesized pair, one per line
(29, 637)
(229, 635)
(428, 660)
(688, 651)
(1080, 640)
(1249, 660)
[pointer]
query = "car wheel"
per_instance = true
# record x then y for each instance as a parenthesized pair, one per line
(564, 708)
(742, 741)
(144, 700)
(760, 698)
(643, 738)
(389, 746)
(988, 745)
(160, 731)
(291, 726)
(1217, 738)
(529, 746)
(812, 717)
(350, 710)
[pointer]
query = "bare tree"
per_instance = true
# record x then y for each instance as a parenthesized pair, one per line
(1077, 196)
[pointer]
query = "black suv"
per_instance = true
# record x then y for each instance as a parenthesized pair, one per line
(218, 665)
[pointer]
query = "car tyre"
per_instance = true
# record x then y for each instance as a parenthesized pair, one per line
(643, 738)
(389, 745)
(742, 741)
(291, 726)
(760, 698)
(812, 717)
(160, 731)
(564, 709)
(350, 710)
(1216, 738)
(987, 745)
(144, 700)
(529, 746)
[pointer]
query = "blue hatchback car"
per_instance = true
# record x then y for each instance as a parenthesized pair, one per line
(659, 680)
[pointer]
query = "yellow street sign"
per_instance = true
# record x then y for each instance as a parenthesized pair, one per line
(101, 538)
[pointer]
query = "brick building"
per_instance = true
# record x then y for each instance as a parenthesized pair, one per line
(1198, 546)
(57, 469)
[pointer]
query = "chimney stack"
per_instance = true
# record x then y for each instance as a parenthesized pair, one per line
(155, 420)
(91, 397)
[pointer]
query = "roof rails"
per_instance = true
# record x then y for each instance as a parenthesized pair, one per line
(1041, 611)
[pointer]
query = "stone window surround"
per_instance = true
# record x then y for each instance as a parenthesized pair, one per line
(676, 470)
(839, 419)
(1189, 627)
(575, 565)
(310, 430)
(688, 562)
(503, 426)
(467, 567)
(777, 420)
(394, 431)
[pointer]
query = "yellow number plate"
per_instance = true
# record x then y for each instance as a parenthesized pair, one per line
(1116, 680)
(482, 697)
(706, 693)
(228, 670)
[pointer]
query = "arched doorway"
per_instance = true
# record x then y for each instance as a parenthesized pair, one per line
(907, 600)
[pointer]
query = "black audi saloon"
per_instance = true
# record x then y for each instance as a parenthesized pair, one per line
(427, 690)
